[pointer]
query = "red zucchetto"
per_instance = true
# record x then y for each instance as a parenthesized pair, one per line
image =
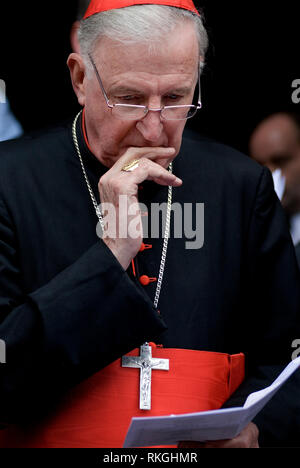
(97, 6)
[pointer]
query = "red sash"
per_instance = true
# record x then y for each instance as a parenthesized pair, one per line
(97, 412)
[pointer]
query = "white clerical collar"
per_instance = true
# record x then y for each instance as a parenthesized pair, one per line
(279, 183)
(279, 186)
(295, 228)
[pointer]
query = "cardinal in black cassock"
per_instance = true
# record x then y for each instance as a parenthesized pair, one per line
(68, 309)
(67, 306)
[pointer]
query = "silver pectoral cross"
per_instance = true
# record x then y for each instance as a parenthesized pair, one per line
(145, 363)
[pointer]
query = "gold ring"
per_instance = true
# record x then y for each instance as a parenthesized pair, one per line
(131, 166)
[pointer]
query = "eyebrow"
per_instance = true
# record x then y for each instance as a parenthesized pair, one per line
(181, 90)
(128, 90)
(125, 90)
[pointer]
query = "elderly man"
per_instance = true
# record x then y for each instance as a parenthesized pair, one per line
(82, 316)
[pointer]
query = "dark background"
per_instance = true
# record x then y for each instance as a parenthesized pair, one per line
(253, 59)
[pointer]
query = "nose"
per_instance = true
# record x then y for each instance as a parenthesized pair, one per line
(151, 126)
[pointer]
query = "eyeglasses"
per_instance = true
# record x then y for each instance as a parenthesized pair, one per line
(137, 112)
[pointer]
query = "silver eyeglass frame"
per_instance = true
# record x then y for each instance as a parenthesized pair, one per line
(146, 108)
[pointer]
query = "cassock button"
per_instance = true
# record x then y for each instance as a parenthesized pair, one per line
(145, 280)
(145, 247)
(153, 345)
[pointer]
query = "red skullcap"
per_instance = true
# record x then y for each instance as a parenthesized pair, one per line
(97, 6)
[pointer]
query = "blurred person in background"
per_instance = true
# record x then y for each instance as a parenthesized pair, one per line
(275, 143)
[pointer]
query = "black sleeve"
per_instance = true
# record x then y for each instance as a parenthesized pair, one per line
(271, 316)
(86, 317)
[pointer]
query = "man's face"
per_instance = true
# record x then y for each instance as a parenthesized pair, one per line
(133, 75)
(275, 142)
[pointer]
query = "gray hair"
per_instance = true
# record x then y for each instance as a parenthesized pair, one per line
(138, 24)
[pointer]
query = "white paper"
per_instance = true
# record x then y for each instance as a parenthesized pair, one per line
(208, 425)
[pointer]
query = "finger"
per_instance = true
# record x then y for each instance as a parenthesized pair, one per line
(248, 438)
(191, 444)
(219, 444)
(149, 170)
(255, 445)
(138, 153)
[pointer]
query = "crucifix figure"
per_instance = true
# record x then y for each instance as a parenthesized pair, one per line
(145, 363)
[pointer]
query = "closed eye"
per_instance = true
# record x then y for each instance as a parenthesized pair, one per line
(173, 98)
(130, 98)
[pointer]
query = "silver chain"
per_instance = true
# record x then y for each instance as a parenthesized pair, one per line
(94, 201)
(100, 217)
(165, 244)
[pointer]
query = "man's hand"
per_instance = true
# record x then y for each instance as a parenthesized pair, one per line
(248, 438)
(117, 182)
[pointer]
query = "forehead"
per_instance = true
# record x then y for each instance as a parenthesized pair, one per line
(176, 56)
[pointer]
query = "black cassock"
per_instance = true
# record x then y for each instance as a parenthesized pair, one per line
(68, 308)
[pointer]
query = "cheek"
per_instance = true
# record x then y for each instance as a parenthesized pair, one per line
(107, 128)
(174, 132)
(117, 131)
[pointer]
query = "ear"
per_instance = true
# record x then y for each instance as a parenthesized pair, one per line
(77, 72)
(74, 37)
